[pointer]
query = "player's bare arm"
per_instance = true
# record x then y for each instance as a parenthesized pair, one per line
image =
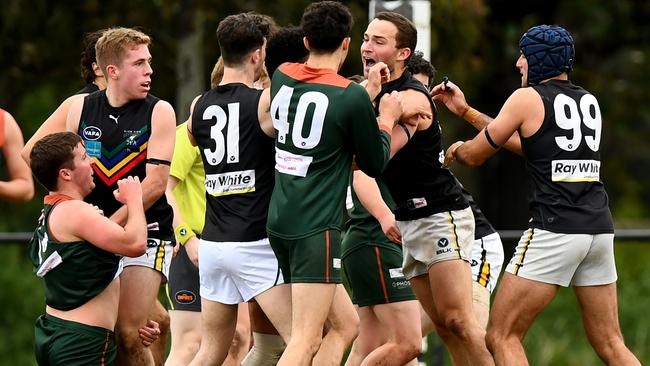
(370, 197)
(189, 122)
(417, 109)
(74, 115)
(192, 244)
(56, 122)
(130, 240)
(264, 115)
(454, 99)
(20, 186)
(160, 150)
(516, 114)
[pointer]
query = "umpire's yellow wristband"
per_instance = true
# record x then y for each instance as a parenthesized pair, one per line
(184, 233)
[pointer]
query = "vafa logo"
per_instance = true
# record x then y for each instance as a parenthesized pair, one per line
(92, 133)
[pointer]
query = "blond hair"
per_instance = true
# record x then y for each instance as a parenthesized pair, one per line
(113, 44)
(217, 74)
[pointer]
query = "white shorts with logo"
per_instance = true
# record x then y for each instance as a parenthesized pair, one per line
(487, 260)
(158, 256)
(235, 272)
(565, 259)
(436, 238)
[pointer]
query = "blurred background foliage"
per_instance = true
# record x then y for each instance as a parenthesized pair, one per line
(474, 42)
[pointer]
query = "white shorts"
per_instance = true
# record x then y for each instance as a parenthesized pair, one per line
(158, 256)
(436, 238)
(487, 260)
(234, 272)
(565, 259)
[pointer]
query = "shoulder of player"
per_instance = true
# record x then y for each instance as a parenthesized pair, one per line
(73, 208)
(415, 96)
(164, 111)
(524, 97)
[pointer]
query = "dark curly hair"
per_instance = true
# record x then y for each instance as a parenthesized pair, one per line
(285, 45)
(240, 34)
(418, 65)
(326, 24)
(88, 55)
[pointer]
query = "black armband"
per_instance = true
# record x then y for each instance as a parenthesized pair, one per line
(406, 130)
(159, 162)
(489, 139)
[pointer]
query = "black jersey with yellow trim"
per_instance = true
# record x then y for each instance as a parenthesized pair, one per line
(418, 182)
(563, 160)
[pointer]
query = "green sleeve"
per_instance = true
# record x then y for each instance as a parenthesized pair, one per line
(370, 145)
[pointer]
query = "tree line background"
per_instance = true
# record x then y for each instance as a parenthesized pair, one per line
(474, 42)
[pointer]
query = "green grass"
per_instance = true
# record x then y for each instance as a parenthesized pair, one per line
(556, 338)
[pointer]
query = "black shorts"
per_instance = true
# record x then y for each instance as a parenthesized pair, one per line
(183, 285)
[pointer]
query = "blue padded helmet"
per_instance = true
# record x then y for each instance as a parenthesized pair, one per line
(549, 51)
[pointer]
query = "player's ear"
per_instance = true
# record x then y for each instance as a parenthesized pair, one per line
(346, 43)
(403, 54)
(305, 41)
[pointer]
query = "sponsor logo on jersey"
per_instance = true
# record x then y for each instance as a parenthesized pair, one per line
(185, 297)
(91, 133)
(395, 273)
(415, 203)
(230, 183)
(292, 164)
(575, 170)
(336, 263)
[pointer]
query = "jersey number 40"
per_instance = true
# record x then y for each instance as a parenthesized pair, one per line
(280, 116)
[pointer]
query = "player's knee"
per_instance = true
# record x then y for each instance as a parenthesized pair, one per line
(409, 349)
(128, 338)
(241, 338)
(191, 343)
(494, 338)
(459, 326)
(350, 330)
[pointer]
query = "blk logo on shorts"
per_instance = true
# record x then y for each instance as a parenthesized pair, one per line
(474, 263)
(443, 242)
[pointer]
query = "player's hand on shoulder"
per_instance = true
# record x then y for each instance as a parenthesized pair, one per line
(390, 106)
(128, 189)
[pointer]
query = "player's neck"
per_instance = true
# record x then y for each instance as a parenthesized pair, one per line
(324, 61)
(397, 72)
(115, 98)
(68, 191)
(238, 75)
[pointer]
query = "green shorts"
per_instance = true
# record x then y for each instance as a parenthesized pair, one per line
(64, 342)
(314, 259)
(375, 275)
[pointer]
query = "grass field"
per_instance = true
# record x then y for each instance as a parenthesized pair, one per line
(557, 338)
